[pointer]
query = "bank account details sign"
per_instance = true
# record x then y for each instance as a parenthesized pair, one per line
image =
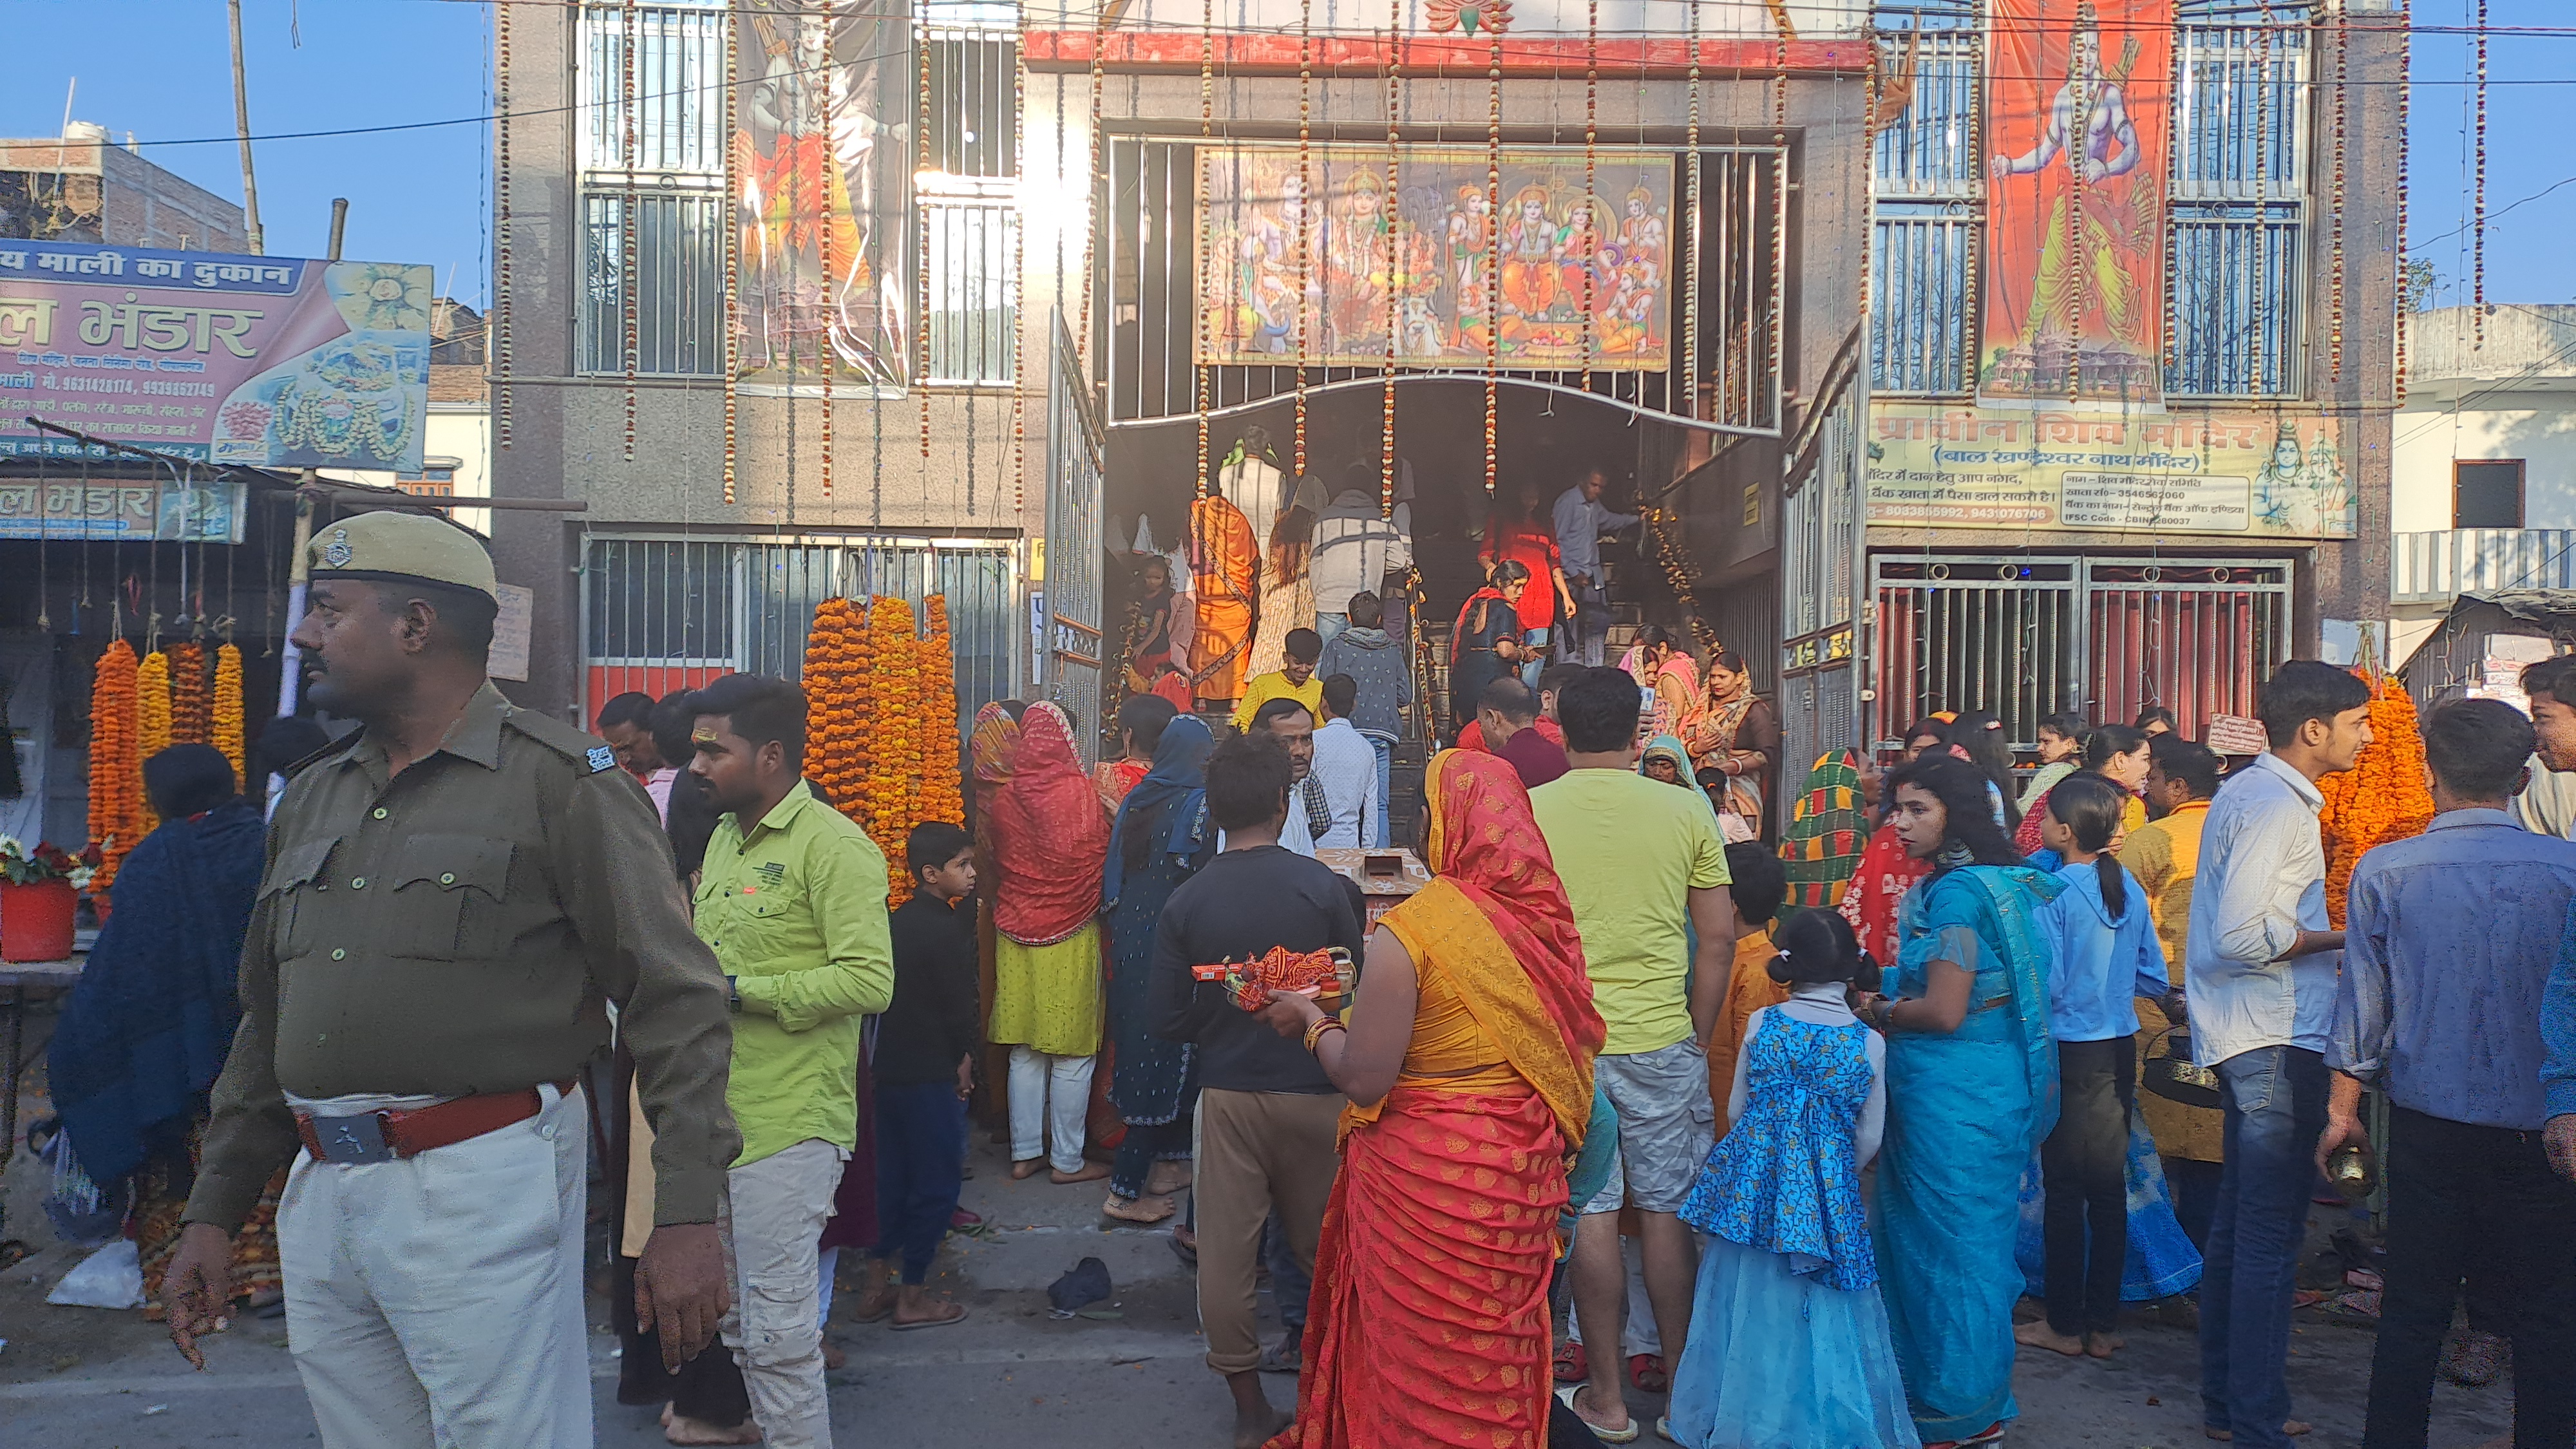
(269, 361)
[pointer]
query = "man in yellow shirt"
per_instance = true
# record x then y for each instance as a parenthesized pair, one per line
(1295, 679)
(2164, 856)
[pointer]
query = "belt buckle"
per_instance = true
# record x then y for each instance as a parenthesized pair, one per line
(353, 1140)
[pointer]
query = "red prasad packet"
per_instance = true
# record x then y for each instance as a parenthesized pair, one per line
(1325, 975)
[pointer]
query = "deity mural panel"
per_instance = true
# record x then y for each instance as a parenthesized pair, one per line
(1568, 277)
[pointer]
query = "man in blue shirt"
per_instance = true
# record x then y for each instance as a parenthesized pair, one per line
(1580, 519)
(2449, 941)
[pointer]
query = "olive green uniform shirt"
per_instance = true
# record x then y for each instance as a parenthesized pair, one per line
(796, 912)
(459, 929)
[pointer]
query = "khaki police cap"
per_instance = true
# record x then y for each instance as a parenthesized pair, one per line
(401, 546)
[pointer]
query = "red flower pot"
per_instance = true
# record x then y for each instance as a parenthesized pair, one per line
(36, 920)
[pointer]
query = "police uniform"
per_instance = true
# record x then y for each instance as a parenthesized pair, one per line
(427, 970)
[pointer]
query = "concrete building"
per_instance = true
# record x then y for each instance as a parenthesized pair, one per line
(2484, 498)
(80, 187)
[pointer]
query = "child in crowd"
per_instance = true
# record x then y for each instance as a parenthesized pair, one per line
(1789, 1345)
(925, 1070)
(1760, 886)
(2105, 951)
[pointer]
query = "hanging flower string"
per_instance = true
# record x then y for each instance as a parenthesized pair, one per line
(2382, 798)
(227, 713)
(942, 794)
(151, 723)
(191, 709)
(115, 767)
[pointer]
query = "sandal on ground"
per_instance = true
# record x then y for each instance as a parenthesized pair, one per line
(1664, 1428)
(955, 1313)
(1573, 1365)
(1646, 1371)
(1628, 1435)
(1142, 1210)
(2474, 1360)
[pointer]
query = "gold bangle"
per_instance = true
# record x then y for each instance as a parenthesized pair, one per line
(1315, 1031)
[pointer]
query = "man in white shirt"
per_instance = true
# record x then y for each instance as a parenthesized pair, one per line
(1345, 768)
(1356, 547)
(2260, 966)
(1581, 519)
(1287, 721)
(2548, 804)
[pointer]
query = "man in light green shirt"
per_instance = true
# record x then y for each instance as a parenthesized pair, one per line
(1644, 867)
(793, 906)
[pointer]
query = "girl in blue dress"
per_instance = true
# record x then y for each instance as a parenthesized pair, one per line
(1789, 1344)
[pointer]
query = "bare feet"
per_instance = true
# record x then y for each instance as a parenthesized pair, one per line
(1255, 1421)
(1138, 1209)
(834, 1356)
(2103, 1345)
(1020, 1170)
(1167, 1178)
(1091, 1172)
(875, 1303)
(2037, 1334)
(678, 1430)
(915, 1308)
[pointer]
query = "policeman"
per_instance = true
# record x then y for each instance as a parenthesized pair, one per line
(453, 896)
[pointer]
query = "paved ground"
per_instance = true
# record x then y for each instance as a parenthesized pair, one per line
(78, 1378)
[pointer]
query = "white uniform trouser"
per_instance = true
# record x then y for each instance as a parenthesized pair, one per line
(1050, 1100)
(773, 1225)
(436, 1302)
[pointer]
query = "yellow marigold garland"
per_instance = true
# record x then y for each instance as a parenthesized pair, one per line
(115, 771)
(894, 750)
(942, 789)
(881, 720)
(151, 722)
(227, 713)
(191, 708)
(2383, 797)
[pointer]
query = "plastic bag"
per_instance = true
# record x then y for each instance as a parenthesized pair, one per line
(112, 1277)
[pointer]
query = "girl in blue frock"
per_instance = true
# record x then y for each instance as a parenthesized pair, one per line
(1789, 1346)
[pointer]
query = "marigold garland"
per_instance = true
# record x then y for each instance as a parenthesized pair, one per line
(835, 702)
(115, 770)
(894, 750)
(151, 722)
(227, 725)
(942, 761)
(2383, 797)
(191, 707)
(881, 736)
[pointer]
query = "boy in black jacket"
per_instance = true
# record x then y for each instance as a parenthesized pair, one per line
(925, 1070)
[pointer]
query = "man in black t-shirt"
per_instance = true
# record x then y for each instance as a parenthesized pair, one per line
(1267, 1113)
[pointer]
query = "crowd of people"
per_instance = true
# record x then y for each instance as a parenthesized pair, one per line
(1795, 1100)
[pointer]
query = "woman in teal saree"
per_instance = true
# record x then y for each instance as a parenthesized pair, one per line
(1971, 1089)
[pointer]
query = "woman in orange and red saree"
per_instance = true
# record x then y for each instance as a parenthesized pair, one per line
(992, 746)
(1223, 554)
(1468, 1064)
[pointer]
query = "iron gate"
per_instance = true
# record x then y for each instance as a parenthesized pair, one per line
(1070, 665)
(2030, 636)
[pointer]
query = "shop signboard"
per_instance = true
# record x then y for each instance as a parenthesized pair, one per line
(269, 361)
(200, 510)
(2232, 473)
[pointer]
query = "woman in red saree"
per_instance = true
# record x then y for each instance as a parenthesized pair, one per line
(1469, 1071)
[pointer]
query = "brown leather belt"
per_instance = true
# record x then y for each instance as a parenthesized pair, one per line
(366, 1137)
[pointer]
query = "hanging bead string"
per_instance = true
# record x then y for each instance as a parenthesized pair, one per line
(1398, 273)
(1207, 224)
(2404, 288)
(1872, 91)
(1690, 284)
(827, 350)
(2262, 184)
(2172, 313)
(1305, 208)
(629, 156)
(1493, 244)
(1590, 239)
(732, 253)
(1741, 383)
(2342, 116)
(1019, 274)
(500, 319)
(1091, 193)
(921, 243)
(2478, 245)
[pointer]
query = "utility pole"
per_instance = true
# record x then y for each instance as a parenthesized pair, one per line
(241, 127)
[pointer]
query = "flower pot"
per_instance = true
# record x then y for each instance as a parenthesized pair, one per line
(36, 920)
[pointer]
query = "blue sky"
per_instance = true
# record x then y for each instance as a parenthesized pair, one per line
(160, 69)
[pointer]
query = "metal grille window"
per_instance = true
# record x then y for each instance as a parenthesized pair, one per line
(2238, 189)
(658, 189)
(974, 298)
(661, 614)
(679, 282)
(971, 93)
(969, 199)
(1928, 240)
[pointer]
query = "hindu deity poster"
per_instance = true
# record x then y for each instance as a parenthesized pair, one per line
(1319, 247)
(823, 169)
(2077, 96)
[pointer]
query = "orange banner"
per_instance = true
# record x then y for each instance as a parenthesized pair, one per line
(2077, 94)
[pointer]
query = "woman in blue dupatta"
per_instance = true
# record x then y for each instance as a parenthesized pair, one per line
(1161, 838)
(147, 1028)
(1971, 1090)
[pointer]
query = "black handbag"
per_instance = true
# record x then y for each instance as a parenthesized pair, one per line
(2171, 1074)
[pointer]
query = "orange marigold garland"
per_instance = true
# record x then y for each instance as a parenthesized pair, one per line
(115, 770)
(833, 702)
(2383, 797)
(151, 722)
(191, 706)
(942, 791)
(894, 749)
(227, 714)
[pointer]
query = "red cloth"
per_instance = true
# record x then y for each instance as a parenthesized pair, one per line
(1886, 873)
(1485, 842)
(1533, 546)
(1472, 738)
(1537, 758)
(1176, 688)
(1049, 836)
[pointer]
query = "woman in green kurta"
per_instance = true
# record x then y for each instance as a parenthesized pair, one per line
(1049, 840)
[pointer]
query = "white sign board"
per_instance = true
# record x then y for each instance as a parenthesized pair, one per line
(510, 634)
(2234, 734)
